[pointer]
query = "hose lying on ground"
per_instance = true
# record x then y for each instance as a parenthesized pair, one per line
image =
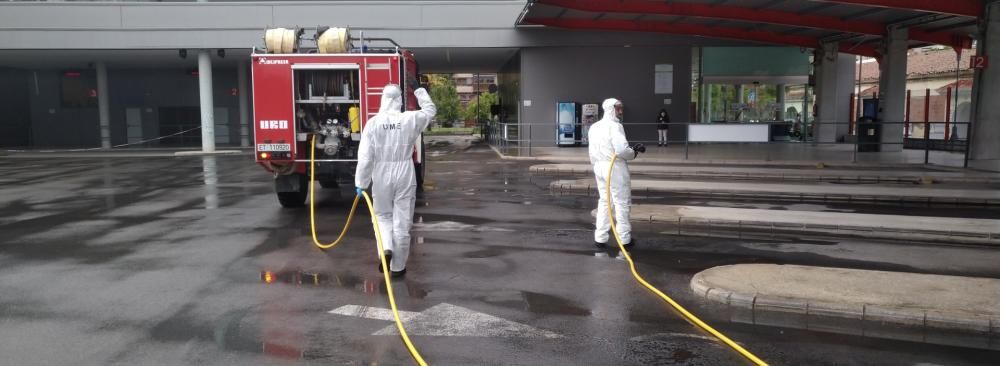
(378, 240)
(687, 315)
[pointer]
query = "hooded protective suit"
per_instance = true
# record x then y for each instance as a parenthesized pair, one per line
(607, 139)
(385, 156)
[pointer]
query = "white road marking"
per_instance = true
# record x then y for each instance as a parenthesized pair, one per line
(446, 320)
(368, 312)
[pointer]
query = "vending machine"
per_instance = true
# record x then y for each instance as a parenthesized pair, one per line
(589, 114)
(567, 123)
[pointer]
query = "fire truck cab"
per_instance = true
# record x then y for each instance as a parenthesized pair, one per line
(301, 94)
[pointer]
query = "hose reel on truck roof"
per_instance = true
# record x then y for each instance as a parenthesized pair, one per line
(328, 40)
(333, 40)
(282, 40)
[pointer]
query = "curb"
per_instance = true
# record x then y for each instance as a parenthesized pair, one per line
(200, 153)
(507, 157)
(782, 177)
(112, 154)
(881, 232)
(857, 319)
(784, 163)
(799, 197)
(952, 237)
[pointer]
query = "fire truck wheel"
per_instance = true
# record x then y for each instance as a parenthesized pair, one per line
(298, 198)
(419, 168)
(292, 199)
(328, 183)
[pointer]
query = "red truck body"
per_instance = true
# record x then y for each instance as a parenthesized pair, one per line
(302, 96)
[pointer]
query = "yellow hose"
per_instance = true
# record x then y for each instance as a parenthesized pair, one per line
(388, 287)
(312, 203)
(378, 240)
(690, 317)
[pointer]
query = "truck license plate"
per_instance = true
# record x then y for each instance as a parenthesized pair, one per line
(274, 147)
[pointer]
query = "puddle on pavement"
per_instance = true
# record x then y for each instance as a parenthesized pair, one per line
(452, 226)
(537, 303)
(276, 335)
(768, 206)
(679, 349)
(549, 304)
(371, 285)
(485, 253)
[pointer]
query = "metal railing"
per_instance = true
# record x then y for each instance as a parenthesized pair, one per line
(863, 137)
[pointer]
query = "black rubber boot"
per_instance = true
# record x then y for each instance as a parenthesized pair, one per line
(388, 260)
(630, 245)
(397, 274)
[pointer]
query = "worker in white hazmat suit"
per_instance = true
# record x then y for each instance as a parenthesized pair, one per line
(607, 140)
(385, 157)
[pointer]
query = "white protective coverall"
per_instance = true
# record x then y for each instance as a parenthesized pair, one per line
(607, 139)
(385, 157)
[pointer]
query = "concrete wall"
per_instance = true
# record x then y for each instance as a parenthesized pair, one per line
(50, 124)
(15, 116)
(53, 125)
(240, 25)
(592, 74)
(150, 89)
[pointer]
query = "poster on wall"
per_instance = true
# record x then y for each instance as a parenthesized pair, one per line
(664, 79)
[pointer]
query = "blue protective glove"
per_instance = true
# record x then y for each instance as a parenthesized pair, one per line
(360, 191)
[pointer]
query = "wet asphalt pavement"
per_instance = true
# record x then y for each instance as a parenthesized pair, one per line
(191, 261)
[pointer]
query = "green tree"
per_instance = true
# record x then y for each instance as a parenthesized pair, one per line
(445, 98)
(484, 101)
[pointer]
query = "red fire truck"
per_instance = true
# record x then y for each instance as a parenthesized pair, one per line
(301, 93)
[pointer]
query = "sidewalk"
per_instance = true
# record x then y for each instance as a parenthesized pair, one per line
(924, 228)
(750, 154)
(803, 154)
(854, 301)
(819, 191)
(116, 153)
(913, 174)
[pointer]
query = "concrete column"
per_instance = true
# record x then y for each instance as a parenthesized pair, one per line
(826, 92)
(243, 94)
(845, 86)
(834, 82)
(892, 88)
(207, 104)
(103, 109)
(986, 91)
(780, 93)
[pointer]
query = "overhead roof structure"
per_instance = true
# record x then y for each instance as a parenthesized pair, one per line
(857, 25)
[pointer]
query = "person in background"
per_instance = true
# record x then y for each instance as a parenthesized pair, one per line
(662, 126)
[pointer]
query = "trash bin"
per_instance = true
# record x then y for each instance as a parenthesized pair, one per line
(869, 135)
